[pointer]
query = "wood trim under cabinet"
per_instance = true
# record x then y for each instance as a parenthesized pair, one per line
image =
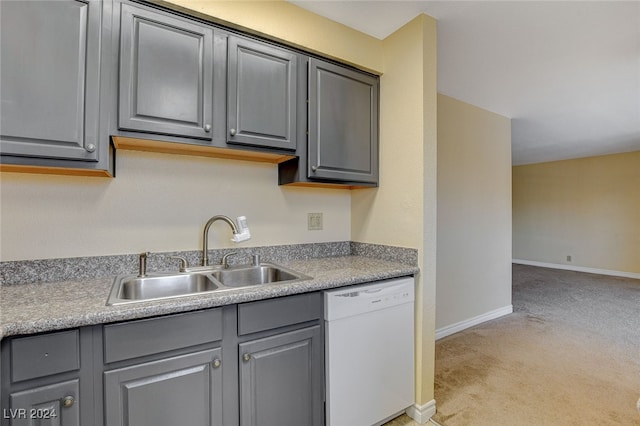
(135, 144)
(328, 185)
(65, 171)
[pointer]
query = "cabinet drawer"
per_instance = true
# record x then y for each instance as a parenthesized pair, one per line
(155, 335)
(273, 313)
(43, 355)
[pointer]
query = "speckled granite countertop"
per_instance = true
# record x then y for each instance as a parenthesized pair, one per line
(34, 308)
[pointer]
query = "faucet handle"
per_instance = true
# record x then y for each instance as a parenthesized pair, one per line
(225, 259)
(142, 264)
(184, 263)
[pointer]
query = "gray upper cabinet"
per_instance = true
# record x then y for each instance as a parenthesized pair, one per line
(166, 74)
(81, 78)
(343, 124)
(50, 78)
(262, 94)
(281, 380)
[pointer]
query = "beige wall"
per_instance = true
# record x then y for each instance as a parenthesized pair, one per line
(474, 212)
(401, 211)
(586, 208)
(159, 202)
(283, 21)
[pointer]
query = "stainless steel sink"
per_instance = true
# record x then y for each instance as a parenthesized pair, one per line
(133, 288)
(254, 275)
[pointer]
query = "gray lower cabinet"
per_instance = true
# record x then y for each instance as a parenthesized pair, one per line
(262, 94)
(257, 363)
(46, 379)
(180, 390)
(164, 371)
(46, 405)
(166, 73)
(50, 78)
(280, 379)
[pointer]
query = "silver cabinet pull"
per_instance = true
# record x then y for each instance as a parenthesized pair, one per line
(216, 363)
(314, 168)
(90, 148)
(232, 132)
(246, 357)
(207, 128)
(68, 401)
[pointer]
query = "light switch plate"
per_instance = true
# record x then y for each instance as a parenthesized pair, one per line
(314, 221)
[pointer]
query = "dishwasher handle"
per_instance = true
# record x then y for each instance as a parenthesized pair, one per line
(375, 291)
(347, 302)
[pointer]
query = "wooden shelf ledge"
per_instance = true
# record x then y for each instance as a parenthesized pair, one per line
(149, 145)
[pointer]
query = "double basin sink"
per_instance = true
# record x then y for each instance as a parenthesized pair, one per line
(134, 288)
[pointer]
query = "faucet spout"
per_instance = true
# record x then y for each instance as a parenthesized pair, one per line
(205, 235)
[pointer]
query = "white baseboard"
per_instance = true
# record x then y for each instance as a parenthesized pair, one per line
(462, 325)
(578, 268)
(422, 413)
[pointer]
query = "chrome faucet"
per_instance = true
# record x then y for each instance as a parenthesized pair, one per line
(237, 235)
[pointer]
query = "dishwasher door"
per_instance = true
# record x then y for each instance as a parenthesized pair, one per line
(369, 352)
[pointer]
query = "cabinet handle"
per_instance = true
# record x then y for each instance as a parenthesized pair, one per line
(216, 363)
(246, 357)
(207, 128)
(68, 401)
(232, 132)
(314, 168)
(91, 147)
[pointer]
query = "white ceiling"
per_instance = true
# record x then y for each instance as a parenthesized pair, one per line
(566, 72)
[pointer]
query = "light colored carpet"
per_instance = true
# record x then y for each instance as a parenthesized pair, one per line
(568, 355)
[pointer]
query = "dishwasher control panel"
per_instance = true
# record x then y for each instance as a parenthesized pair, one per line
(354, 300)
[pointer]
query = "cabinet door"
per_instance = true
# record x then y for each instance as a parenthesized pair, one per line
(262, 86)
(182, 390)
(50, 71)
(281, 380)
(343, 124)
(47, 405)
(166, 74)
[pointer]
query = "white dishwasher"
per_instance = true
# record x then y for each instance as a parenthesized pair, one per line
(369, 352)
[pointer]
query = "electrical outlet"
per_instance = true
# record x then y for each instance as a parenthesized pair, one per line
(314, 221)
(569, 258)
